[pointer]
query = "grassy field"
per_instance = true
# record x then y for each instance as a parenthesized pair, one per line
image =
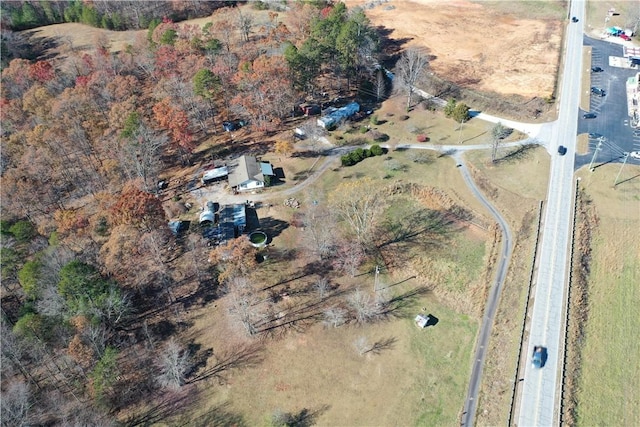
(609, 385)
(415, 377)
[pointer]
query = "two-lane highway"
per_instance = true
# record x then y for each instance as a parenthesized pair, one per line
(539, 397)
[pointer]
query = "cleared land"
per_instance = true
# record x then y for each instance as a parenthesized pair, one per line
(608, 387)
(418, 377)
(503, 47)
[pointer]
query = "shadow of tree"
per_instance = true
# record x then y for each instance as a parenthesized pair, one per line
(168, 404)
(422, 227)
(398, 305)
(521, 152)
(219, 415)
(272, 226)
(242, 356)
(304, 418)
(381, 345)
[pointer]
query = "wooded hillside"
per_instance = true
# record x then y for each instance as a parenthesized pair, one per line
(89, 266)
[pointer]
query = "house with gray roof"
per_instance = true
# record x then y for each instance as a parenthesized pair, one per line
(247, 173)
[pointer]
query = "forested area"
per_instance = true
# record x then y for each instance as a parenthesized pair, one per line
(89, 265)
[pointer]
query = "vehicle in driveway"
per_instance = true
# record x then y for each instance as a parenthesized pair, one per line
(562, 150)
(539, 357)
(598, 91)
(589, 116)
(596, 69)
(635, 154)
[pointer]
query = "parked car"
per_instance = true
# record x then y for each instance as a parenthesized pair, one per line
(229, 126)
(574, 19)
(598, 91)
(595, 135)
(596, 69)
(635, 154)
(624, 37)
(562, 150)
(589, 116)
(539, 357)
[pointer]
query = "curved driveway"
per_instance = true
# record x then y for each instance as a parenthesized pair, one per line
(492, 303)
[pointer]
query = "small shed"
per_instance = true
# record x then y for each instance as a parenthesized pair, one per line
(422, 321)
(215, 174)
(208, 215)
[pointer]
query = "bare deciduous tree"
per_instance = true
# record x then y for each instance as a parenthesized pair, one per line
(379, 84)
(334, 317)
(322, 286)
(173, 362)
(362, 345)
(318, 225)
(245, 305)
(498, 133)
(411, 66)
(359, 205)
(314, 135)
(348, 257)
(15, 404)
(364, 307)
(244, 24)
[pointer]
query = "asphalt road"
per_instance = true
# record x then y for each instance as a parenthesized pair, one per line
(540, 388)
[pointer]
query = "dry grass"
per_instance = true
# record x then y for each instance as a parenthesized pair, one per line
(524, 63)
(582, 144)
(608, 386)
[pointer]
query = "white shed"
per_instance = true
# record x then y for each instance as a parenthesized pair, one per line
(422, 321)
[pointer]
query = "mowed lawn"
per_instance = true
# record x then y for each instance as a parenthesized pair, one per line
(610, 379)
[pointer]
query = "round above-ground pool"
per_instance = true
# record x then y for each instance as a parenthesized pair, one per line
(258, 239)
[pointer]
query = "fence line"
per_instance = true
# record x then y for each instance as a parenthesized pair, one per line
(568, 304)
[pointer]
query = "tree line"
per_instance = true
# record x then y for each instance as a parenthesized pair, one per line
(120, 15)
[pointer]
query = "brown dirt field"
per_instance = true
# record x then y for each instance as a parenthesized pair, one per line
(478, 45)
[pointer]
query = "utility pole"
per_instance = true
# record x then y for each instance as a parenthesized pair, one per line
(375, 280)
(595, 152)
(626, 156)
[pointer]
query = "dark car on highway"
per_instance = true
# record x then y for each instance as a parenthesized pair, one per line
(539, 357)
(596, 69)
(562, 150)
(574, 19)
(589, 116)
